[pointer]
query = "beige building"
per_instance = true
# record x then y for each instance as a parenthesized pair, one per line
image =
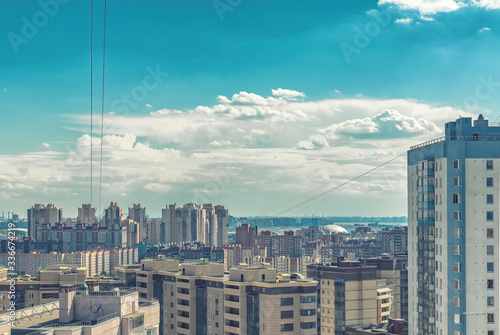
(44, 288)
(80, 311)
(350, 295)
(203, 299)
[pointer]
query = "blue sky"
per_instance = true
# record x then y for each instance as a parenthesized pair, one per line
(354, 75)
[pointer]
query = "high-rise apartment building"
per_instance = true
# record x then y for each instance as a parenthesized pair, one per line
(195, 223)
(138, 214)
(222, 224)
(40, 214)
(211, 235)
(184, 224)
(246, 235)
(453, 212)
(86, 214)
(113, 215)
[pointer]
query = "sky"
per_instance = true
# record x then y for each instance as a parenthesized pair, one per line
(266, 107)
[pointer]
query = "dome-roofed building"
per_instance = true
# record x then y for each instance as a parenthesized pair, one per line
(334, 229)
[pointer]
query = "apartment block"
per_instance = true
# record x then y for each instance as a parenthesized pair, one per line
(453, 220)
(202, 299)
(40, 214)
(83, 311)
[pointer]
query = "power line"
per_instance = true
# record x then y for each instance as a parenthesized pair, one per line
(367, 173)
(91, 94)
(333, 195)
(102, 99)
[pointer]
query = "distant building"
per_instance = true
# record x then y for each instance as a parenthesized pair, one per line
(138, 214)
(113, 215)
(246, 235)
(40, 214)
(86, 215)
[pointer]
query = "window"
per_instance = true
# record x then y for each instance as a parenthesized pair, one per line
(490, 250)
(286, 301)
(287, 327)
(263, 301)
(457, 215)
(457, 250)
(491, 318)
(490, 267)
(489, 199)
(457, 319)
(489, 284)
(287, 314)
(457, 164)
(457, 232)
(308, 299)
(457, 198)
(489, 233)
(458, 332)
(489, 182)
(457, 267)
(457, 301)
(457, 284)
(491, 332)
(489, 165)
(490, 301)
(489, 216)
(457, 181)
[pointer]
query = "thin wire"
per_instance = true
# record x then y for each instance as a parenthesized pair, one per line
(102, 100)
(339, 186)
(356, 181)
(91, 94)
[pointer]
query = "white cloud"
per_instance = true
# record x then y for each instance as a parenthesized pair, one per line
(484, 29)
(425, 6)
(149, 106)
(288, 94)
(389, 124)
(248, 148)
(404, 21)
(45, 145)
(488, 4)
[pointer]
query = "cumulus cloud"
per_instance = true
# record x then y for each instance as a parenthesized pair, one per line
(248, 144)
(45, 145)
(388, 124)
(404, 21)
(288, 94)
(484, 29)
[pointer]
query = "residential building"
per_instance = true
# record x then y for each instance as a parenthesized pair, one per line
(453, 220)
(86, 215)
(138, 214)
(246, 235)
(201, 299)
(83, 311)
(40, 214)
(113, 215)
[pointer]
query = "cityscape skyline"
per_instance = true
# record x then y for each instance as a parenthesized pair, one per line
(274, 121)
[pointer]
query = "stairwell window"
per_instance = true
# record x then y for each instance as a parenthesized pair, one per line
(457, 164)
(489, 165)
(489, 216)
